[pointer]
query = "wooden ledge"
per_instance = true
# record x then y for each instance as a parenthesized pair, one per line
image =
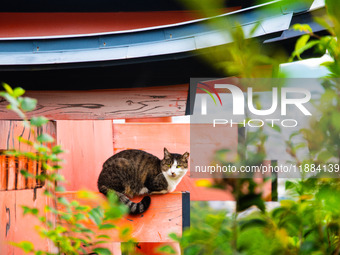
(168, 213)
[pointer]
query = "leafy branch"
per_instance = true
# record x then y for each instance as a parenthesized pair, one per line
(63, 222)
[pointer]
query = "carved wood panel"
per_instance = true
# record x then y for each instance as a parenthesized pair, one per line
(107, 104)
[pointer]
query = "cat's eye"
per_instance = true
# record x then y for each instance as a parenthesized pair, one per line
(178, 166)
(170, 166)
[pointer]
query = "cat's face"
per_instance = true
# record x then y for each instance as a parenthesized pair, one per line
(174, 165)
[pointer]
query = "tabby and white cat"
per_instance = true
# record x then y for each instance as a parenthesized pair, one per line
(135, 172)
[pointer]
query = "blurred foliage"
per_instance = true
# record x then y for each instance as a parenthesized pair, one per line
(70, 233)
(309, 224)
(245, 56)
(309, 221)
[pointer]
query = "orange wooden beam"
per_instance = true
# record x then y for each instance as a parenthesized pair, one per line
(164, 216)
(107, 104)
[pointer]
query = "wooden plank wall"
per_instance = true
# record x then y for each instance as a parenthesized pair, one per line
(13, 225)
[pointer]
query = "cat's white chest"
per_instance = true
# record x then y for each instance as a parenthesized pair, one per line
(173, 182)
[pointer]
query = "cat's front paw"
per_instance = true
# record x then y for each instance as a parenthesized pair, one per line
(159, 192)
(143, 191)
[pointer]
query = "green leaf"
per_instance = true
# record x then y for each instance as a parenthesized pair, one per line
(28, 104)
(275, 127)
(174, 237)
(26, 210)
(96, 215)
(301, 42)
(79, 216)
(17, 92)
(14, 103)
(41, 148)
(307, 46)
(85, 194)
(324, 156)
(102, 251)
(125, 231)
(248, 200)
(323, 22)
(303, 28)
(336, 120)
(48, 193)
(103, 237)
(24, 245)
(38, 121)
(287, 203)
(8, 89)
(289, 185)
(27, 174)
(66, 217)
(63, 200)
(25, 141)
(82, 208)
(34, 211)
(253, 223)
(45, 138)
(166, 249)
(294, 134)
(107, 226)
(59, 189)
(57, 177)
(57, 149)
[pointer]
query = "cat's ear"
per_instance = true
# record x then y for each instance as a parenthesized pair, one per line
(186, 155)
(166, 153)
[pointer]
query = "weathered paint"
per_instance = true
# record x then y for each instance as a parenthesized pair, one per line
(10, 130)
(14, 227)
(106, 104)
(88, 144)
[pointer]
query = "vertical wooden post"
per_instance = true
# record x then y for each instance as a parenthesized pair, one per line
(3, 173)
(32, 169)
(11, 173)
(21, 183)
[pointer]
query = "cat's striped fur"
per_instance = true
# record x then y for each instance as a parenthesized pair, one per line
(134, 172)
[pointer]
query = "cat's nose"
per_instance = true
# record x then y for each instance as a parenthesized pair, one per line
(173, 174)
